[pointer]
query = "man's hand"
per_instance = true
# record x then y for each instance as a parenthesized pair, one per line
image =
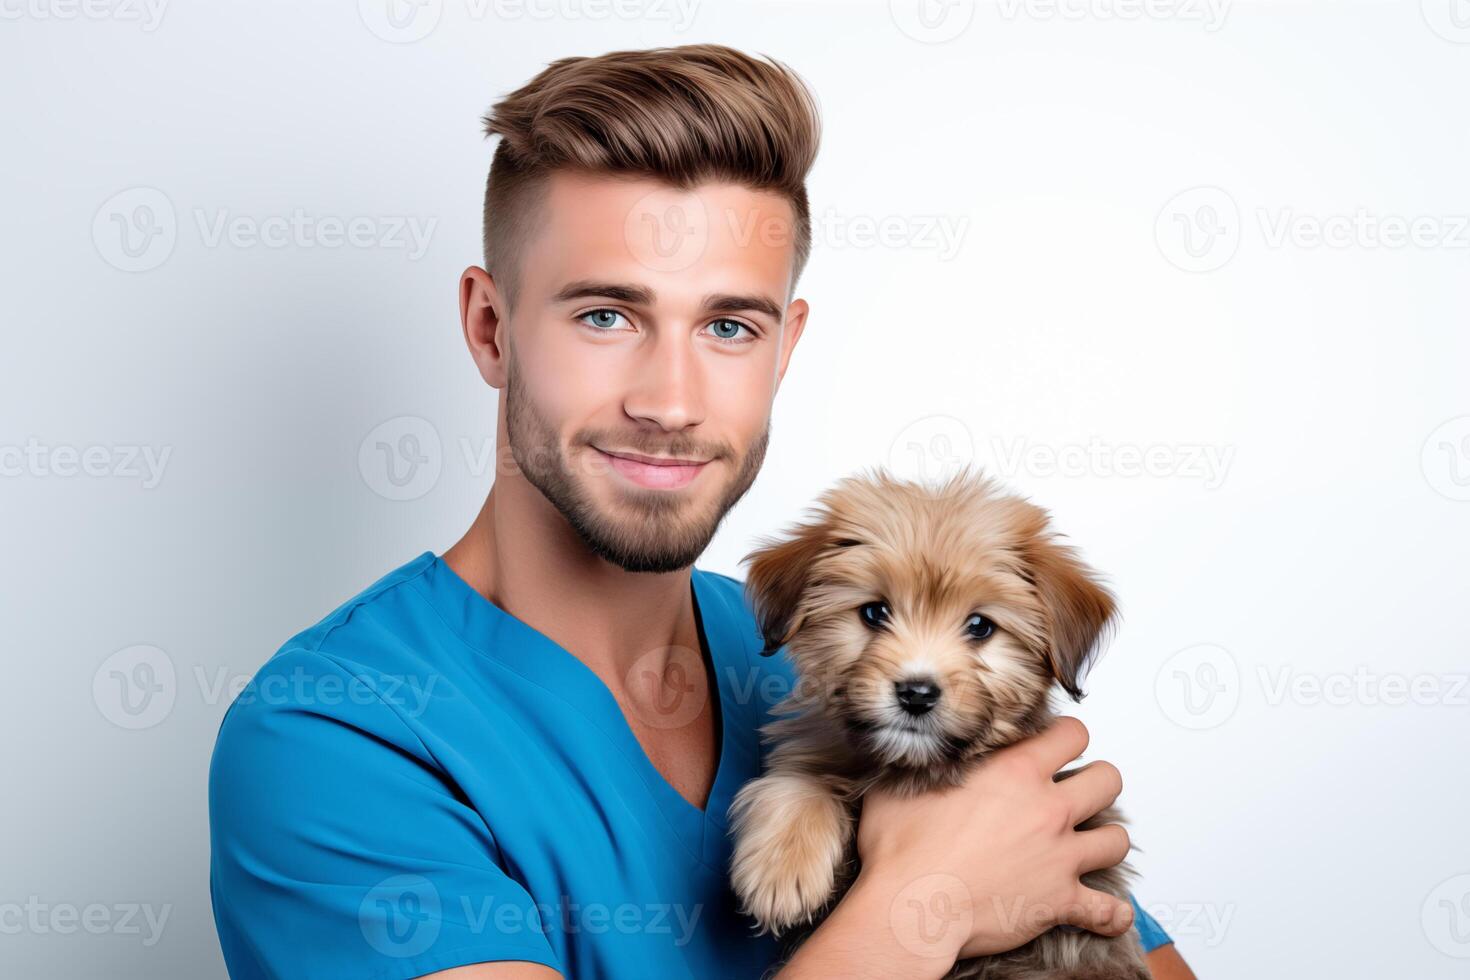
(978, 869)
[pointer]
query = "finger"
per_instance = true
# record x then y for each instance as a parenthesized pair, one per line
(1089, 789)
(1061, 742)
(1102, 847)
(1098, 912)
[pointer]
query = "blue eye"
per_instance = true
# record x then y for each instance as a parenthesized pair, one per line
(601, 319)
(978, 627)
(733, 327)
(874, 614)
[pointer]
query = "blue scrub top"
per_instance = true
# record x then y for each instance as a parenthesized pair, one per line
(422, 781)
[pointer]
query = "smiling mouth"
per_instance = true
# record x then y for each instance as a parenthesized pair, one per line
(654, 472)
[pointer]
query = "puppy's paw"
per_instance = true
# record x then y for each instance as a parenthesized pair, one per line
(791, 833)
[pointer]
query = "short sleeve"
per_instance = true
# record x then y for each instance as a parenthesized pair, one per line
(338, 848)
(1150, 933)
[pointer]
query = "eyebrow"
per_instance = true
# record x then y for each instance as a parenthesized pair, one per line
(642, 296)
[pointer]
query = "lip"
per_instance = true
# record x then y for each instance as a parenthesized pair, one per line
(654, 473)
(655, 460)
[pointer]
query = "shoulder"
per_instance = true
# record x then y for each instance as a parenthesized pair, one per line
(371, 626)
(333, 801)
(357, 671)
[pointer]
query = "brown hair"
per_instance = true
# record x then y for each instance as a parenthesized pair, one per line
(682, 115)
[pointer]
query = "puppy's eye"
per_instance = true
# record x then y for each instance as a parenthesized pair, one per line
(978, 627)
(874, 614)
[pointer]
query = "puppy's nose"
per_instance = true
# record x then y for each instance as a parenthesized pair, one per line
(917, 696)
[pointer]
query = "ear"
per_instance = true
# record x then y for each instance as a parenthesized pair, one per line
(1079, 609)
(480, 306)
(780, 571)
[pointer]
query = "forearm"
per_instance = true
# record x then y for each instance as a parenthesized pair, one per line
(873, 935)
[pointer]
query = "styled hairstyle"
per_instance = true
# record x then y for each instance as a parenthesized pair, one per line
(682, 115)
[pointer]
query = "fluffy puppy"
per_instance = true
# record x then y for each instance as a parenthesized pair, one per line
(928, 626)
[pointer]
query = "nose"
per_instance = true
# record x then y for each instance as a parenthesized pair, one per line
(917, 696)
(669, 386)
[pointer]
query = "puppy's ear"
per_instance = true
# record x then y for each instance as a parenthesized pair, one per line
(780, 571)
(1079, 609)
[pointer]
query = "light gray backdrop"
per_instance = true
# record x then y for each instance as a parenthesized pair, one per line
(1193, 273)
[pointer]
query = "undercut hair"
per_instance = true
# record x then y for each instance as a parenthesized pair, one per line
(682, 115)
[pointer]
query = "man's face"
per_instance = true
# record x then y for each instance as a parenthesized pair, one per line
(649, 336)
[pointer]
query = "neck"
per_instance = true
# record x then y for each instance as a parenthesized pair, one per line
(522, 555)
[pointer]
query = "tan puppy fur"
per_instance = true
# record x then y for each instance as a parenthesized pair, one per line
(928, 625)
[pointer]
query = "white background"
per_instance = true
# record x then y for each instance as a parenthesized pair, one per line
(1287, 697)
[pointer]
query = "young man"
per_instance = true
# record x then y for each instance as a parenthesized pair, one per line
(514, 760)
